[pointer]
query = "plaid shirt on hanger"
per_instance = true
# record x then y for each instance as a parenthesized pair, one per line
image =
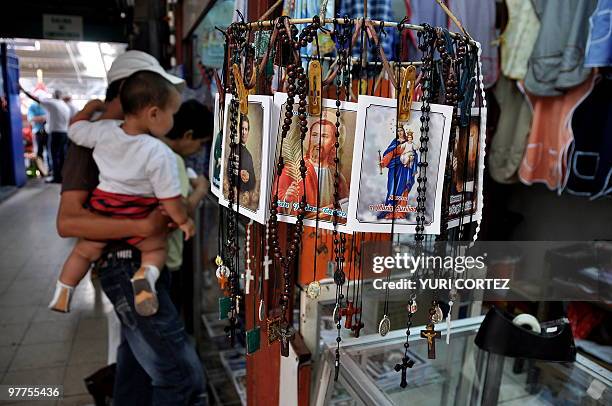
(377, 10)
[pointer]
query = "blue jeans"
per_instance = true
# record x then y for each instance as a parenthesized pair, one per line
(156, 363)
(599, 44)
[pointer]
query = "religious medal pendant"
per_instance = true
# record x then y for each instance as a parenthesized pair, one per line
(337, 315)
(273, 327)
(412, 307)
(384, 326)
(262, 310)
(218, 261)
(435, 313)
(253, 340)
(222, 271)
(314, 289)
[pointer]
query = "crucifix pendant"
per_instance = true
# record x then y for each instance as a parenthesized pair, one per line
(266, 263)
(349, 312)
(384, 326)
(286, 335)
(431, 335)
(406, 363)
(356, 328)
(248, 277)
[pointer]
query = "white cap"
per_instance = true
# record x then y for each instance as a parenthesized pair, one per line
(135, 61)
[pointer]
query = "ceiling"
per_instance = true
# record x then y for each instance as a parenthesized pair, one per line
(78, 68)
(103, 20)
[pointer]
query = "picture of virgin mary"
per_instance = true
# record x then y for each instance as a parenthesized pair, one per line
(401, 159)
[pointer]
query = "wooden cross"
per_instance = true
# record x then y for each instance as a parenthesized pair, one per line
(266, 263)
(349, 311)
(406, 363)
(431, 334)
(248, 277)
(356, 328)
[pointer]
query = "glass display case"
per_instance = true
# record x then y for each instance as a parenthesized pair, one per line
(461, 374)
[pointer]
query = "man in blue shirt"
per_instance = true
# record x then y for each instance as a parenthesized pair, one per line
(37, 116)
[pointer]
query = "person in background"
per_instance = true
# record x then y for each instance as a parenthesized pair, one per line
(37, 116)
(156, 362)
(68, 100)
(193, 127)
(57, 123)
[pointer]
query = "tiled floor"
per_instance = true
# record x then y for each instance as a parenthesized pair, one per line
(38, 346)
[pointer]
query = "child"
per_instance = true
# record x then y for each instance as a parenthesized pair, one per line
(407, 147)
(137, 172)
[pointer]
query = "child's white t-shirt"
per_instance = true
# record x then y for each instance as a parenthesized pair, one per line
(135, 165)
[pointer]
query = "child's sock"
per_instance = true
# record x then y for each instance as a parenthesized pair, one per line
(143, 284)
(61, 297)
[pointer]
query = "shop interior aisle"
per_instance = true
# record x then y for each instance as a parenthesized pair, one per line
(38, 346)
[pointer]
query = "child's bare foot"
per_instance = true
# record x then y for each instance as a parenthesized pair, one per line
(61, 298)
(143, 284)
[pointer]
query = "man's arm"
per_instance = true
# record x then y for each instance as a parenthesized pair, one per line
(74, 220)
(30, 95)
(38, 119)
(200, 190)
(88, 111)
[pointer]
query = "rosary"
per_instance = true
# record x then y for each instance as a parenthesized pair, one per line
(297, 85)
(449, 80)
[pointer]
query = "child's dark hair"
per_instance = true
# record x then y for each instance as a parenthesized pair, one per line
(144, 89)
(194, 116)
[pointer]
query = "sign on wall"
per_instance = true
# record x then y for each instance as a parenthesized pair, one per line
(62, 27)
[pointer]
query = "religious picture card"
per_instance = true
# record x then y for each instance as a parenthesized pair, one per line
(250, 172)
(319, 153)
(467, 170)
(214, 168)
(385, 167)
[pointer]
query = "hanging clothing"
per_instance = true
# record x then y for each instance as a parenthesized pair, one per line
(590, 165)
(518, 38)
(419, 12)
(508, 144)
(557, 60)
(551, 135)
(377, 10)
(308, 9)
(599, 44)
(478, 18)
(428, 12)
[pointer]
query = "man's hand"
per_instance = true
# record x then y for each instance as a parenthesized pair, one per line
(157, 222)
(188, 228)
(94, 106)
(91, 108)
(244, 175)
(200, 183)
(292, 193)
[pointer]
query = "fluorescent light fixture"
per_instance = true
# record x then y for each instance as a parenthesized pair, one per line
(91, 57)
(107, 48)
(22, 44)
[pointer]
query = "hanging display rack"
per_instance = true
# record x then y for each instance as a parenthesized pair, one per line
(258, 25)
